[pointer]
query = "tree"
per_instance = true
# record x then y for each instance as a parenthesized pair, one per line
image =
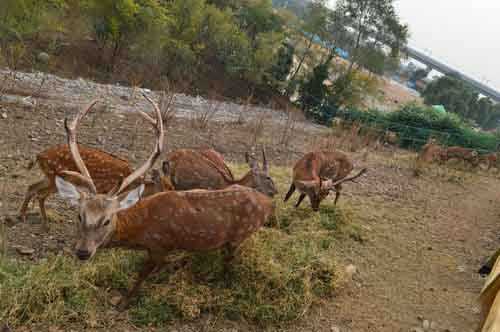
(258, 17)
(119, 23)
(451, 92)
(314, 92)
(375, 24)
(21, 19)
(460, 98)
(314, 26)
(281, 69)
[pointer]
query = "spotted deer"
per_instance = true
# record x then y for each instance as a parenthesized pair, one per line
(206, 169)
(317, 173)
(196, 220)
(106, 170)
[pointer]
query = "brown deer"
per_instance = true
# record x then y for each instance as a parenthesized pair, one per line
(430, 152)
(491, 160)
(311, 171)
(458, 152)
(156, 184)
(197, 220)
(206, 169)
(106, 170)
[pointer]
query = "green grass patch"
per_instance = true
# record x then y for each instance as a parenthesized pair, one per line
(276, 277)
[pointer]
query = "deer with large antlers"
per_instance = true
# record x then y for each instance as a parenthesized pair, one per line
(206, 169)
(318, 173)
(107, 172)
(197, 220)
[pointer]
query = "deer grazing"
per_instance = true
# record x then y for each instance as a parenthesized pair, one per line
(197, 220)
(206, 169)
(106, 170)
(491, 160)
(460, 153)
(318, 173)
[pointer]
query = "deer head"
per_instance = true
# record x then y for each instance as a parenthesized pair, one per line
(97, 212)
(258, 178)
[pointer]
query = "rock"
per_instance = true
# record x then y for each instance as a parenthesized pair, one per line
(417, 329)
(4, 115)
(461, 268)
(43, 57)
(334, 329)
(25, 250)
(351, 270)
(426, 324)
(433, 325)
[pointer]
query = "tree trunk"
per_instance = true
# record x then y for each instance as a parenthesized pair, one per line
(302, 59)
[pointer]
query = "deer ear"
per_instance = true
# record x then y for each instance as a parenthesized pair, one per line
(68, 191)
(131, 198)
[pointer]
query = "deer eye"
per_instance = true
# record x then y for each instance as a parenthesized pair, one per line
(106, 222)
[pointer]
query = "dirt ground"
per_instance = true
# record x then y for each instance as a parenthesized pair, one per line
(421, 240)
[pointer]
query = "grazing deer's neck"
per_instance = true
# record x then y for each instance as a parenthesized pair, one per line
(245, 181)
(131, 224)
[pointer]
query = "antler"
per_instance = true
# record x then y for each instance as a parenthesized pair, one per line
(71, 130)
(329, 184)
(351, 178)
(158, 126)
(250, 158)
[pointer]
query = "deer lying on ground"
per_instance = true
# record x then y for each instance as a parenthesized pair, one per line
(457, 152)
(197, 220)
(311, 171)
(106, 170)
(206, 169)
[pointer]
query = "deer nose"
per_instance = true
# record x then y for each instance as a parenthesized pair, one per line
(83, 254)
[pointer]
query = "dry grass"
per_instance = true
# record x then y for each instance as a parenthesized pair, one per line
(277, 276)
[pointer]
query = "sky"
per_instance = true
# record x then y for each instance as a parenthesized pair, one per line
(461, 33)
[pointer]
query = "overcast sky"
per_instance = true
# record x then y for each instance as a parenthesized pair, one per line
(464, 34)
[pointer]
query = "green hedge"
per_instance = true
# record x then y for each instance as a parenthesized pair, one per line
(414, 124)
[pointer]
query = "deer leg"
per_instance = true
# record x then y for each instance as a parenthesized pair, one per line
(338, 189)
(301, 198)
(290, 192)
(149, 267)
(33, 190)
(42, 197)
(229, 254)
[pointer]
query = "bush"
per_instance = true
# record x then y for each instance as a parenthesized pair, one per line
(414, 124)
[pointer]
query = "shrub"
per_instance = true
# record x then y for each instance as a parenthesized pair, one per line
(414, 124)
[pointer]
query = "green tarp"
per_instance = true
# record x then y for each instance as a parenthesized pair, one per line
(439, 108)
